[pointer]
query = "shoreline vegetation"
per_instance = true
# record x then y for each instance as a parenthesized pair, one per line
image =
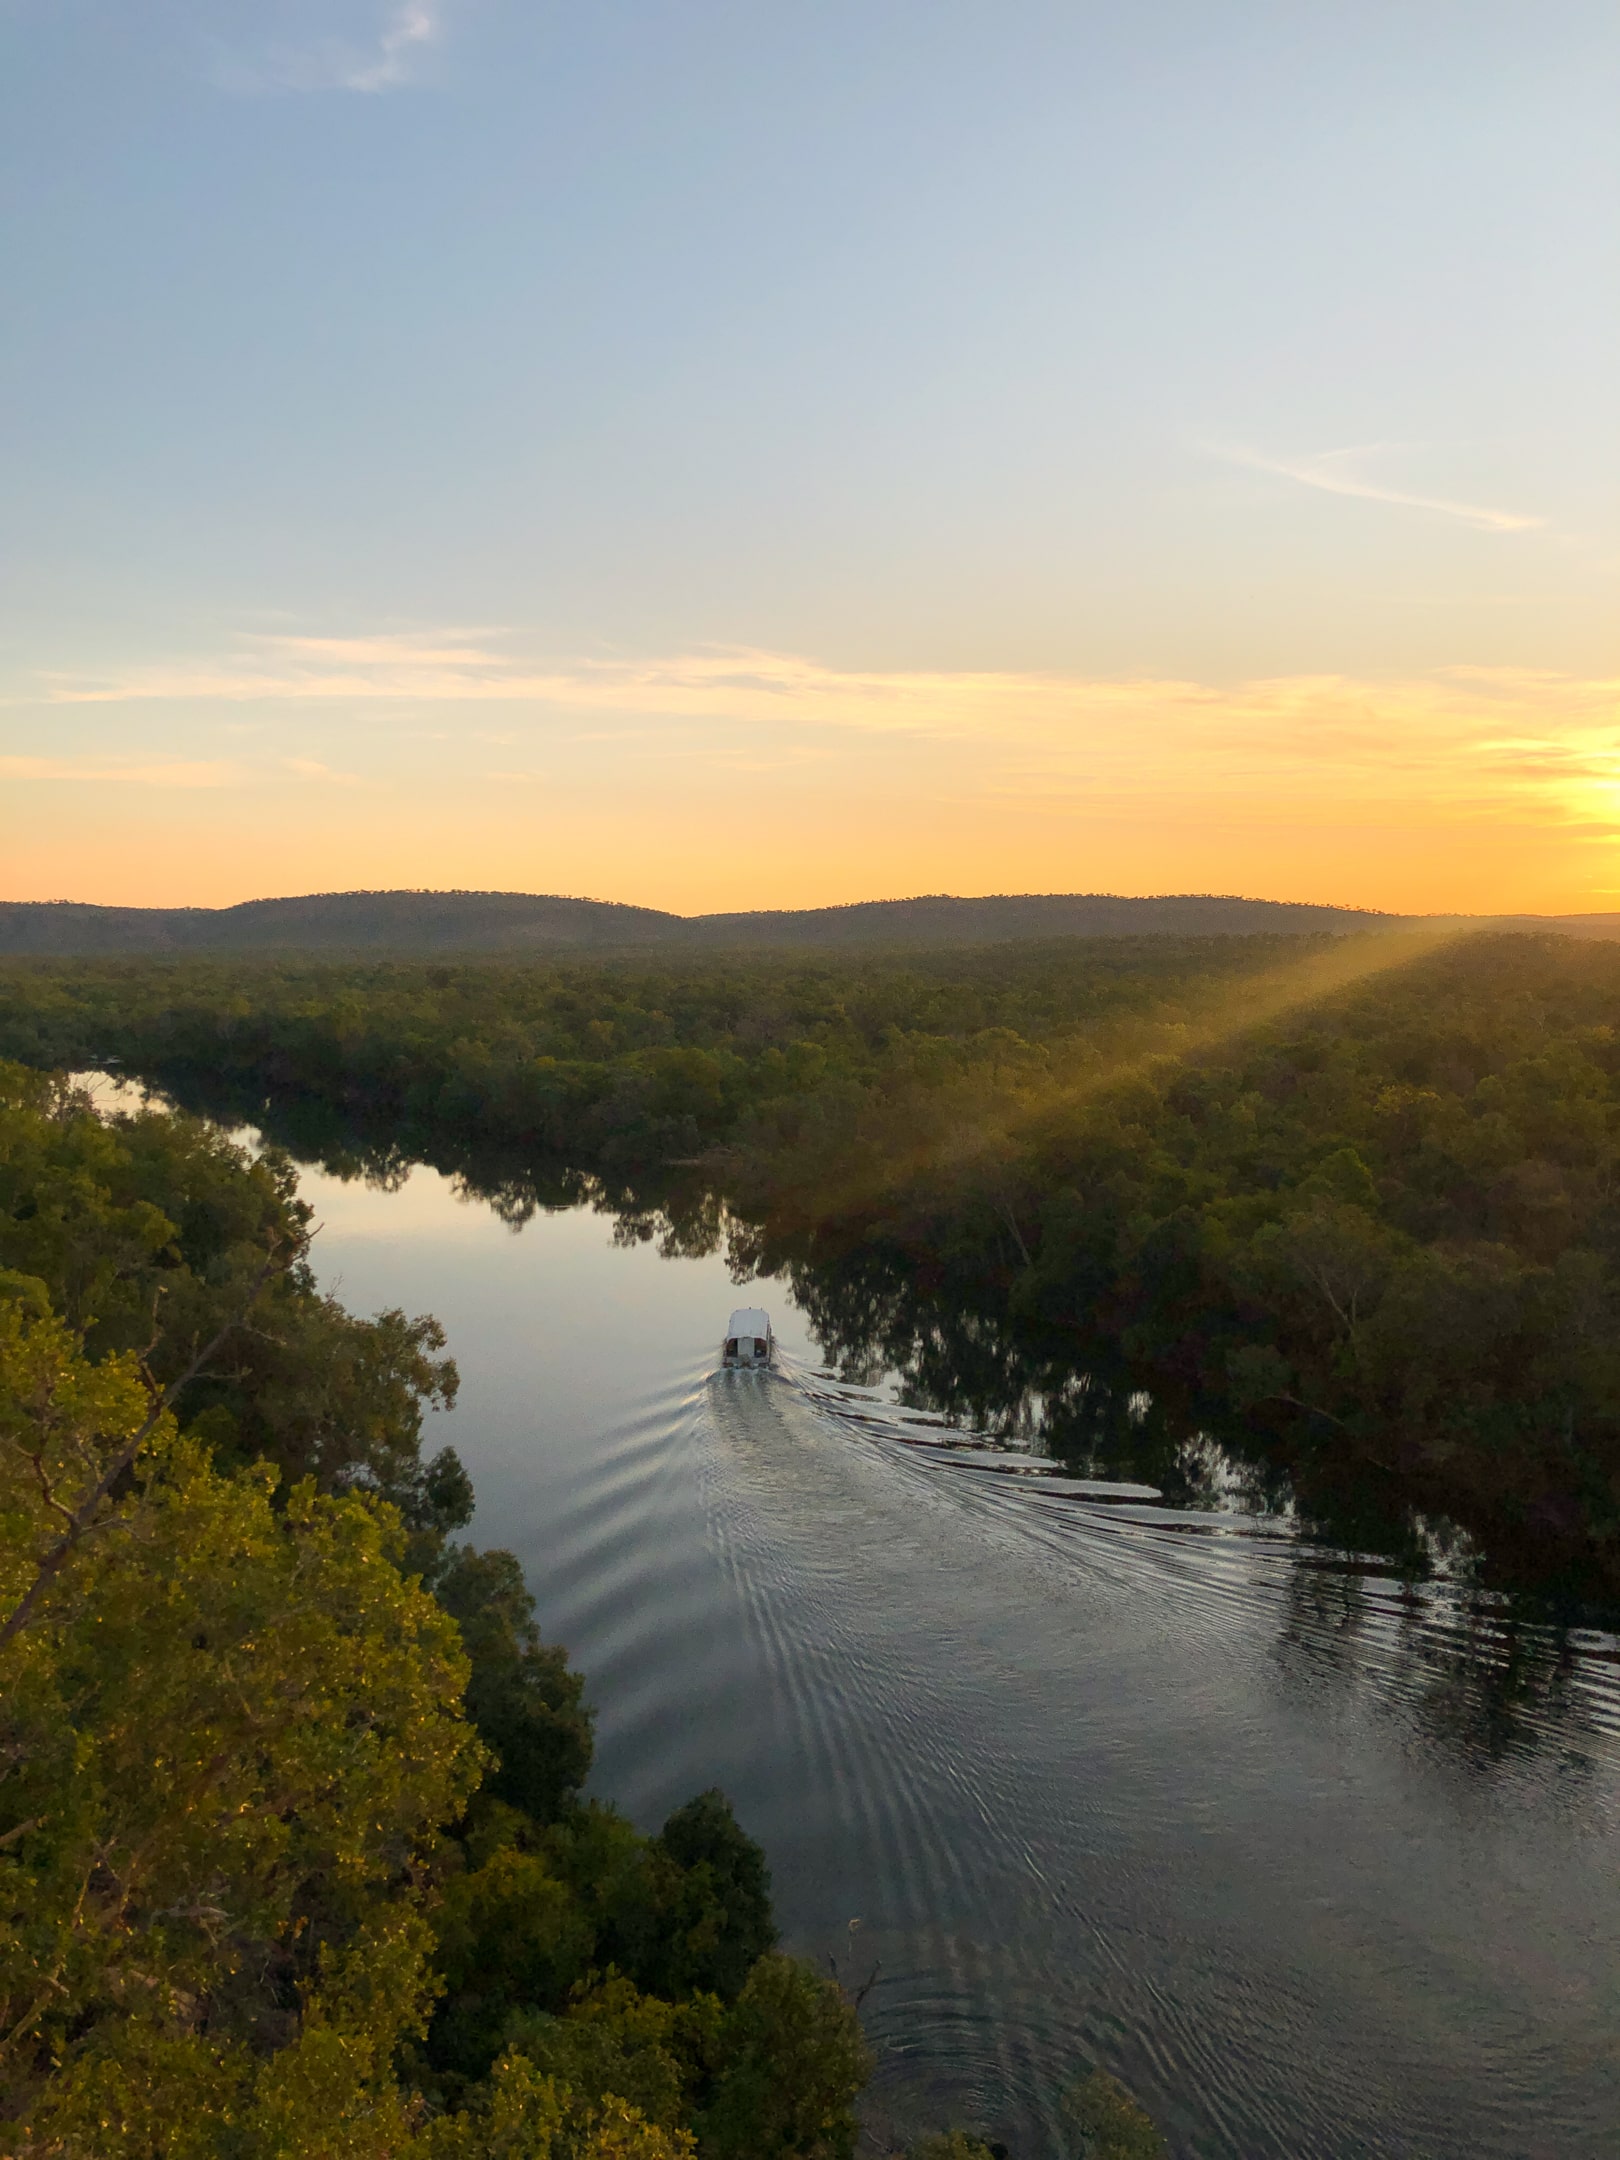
(1346, 1207)
(293, 1855)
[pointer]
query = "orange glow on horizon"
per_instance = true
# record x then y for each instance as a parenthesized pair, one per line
(729, 780)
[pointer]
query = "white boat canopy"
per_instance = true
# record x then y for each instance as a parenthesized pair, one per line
(749, 1321)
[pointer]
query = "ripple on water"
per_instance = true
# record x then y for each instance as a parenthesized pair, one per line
(1198, 1806)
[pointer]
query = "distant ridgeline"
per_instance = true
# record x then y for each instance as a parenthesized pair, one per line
(405, 922)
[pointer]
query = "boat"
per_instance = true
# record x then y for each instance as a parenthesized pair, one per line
(749, 1340)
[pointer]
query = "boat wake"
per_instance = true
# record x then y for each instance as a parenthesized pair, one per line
(1093, 1771)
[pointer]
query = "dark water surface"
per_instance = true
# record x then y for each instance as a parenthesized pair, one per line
(1318, 1867)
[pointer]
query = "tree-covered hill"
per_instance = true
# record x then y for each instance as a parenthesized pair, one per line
(433, 922)
(349, 922)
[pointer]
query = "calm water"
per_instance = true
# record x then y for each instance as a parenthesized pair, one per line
(1318, 1868)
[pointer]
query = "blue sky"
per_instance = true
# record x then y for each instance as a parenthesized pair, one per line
(1063, 347)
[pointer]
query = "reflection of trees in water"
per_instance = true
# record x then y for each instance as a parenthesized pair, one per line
(1483, 1674)
(1096, 1418)
(1387, 1601)
(383, 1155)
(1483, 1680)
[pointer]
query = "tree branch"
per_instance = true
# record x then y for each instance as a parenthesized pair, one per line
(82, 1519)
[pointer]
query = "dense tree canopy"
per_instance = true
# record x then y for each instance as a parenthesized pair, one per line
(615, 1063)
(1349, 1201)
(293, 1861)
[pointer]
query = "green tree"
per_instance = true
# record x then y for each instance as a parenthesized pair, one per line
(511, 1937)
(615, 2042)
(793, 2060)
(713, 1895)
(525, 2115)
(231, 1730)
(527, 1705)
(1108, 2123)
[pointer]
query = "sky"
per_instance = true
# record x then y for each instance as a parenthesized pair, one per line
(773, 454)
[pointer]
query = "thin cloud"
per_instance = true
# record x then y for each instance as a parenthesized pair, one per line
(167, 773)
(1325, 473)
(312, 769)
(1455, 743)
(451, 648)
(384, 61)
(409, 29)
(1317, 716)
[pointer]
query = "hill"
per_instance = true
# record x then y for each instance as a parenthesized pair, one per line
(942, 919)
(425, 922)
(340, 922)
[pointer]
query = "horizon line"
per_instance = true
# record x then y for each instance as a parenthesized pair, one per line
(461, 892)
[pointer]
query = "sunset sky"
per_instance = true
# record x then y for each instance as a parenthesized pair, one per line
(768, 454)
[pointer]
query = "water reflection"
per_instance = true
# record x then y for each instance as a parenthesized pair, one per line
(1047, 1675)
(1372, 1592)
(1481, 1682)
(937, 1349)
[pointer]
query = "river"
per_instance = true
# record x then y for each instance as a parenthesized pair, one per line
(1319, 1866)
(1323, 1865)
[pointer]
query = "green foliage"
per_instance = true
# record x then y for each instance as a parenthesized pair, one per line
(526, 1703)
(146, 1232)
(1108, 2123)
(253, 1891)
(792, 2062)
(714, 1902)
(615, 2041)
(949, 2145)
(525, 2115)
(141, 2088)
(612, 1871)
(511, 1936)
(623, 1063)
(542, 1905)
(232, 1730)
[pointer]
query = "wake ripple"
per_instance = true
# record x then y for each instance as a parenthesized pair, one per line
(1184, 1796)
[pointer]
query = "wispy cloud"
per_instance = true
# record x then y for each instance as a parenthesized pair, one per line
(456, 667)
(407, 30)
(1332, 472)
(378, 56)
(1453, 737)
(787, 697)
(162, 773)
(306, 768)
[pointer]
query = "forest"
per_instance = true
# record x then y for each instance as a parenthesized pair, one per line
(1348, 1201)
(620, 1064)
(294, 1858)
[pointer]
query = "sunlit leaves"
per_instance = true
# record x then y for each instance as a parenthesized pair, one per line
(227, 1729)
